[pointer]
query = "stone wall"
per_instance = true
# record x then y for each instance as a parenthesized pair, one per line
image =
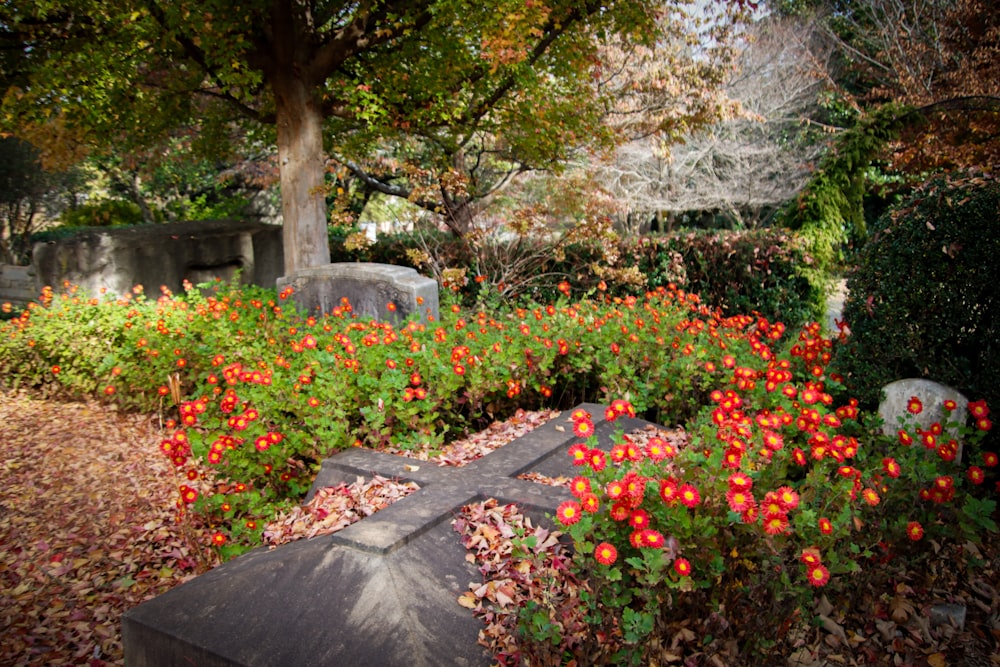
(117, 259)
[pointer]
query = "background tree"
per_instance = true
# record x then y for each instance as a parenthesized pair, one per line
(752, 161)
(429, 76)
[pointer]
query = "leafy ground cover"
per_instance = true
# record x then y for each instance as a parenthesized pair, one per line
(106, 538)
(781, 491)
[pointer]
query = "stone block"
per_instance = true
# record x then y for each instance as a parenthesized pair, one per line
(17, 284)
(118, 258)
(381, 291)
(383, 591)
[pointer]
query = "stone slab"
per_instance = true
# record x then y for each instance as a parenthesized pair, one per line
(381, 592)
(381, 291)
(17, 284)
(118, 258)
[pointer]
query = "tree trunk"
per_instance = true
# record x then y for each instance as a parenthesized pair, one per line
(301, 165)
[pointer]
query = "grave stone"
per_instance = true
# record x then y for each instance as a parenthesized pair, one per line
(931, 394)
(383, 591)
(17, 285)
(381, 291)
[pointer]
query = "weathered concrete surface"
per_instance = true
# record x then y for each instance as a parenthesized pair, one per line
(381, 291)
(381, 592)
(118, 258)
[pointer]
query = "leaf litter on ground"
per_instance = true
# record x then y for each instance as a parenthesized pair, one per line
(88, 529)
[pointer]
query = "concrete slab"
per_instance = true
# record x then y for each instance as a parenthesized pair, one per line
(381, 592)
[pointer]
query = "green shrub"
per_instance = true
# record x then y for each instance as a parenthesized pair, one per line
(737, 271)
(923, 301)
(106, 213)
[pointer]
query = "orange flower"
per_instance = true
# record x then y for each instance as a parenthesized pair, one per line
(871, 496)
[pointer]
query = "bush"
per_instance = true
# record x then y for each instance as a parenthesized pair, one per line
(106, 213)
(923, 300)
(738, 272)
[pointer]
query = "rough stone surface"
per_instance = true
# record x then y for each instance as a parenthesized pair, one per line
(369, 287)
(17, 284)
(116, 259)
(381, 592)
(933, 395)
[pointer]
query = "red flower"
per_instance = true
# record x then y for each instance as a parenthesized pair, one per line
(682, 567)
(978, 409)
(580, 486)
(984, 424)
(568, 513)
(668, 491)
(597, 459)
(990, 459)
(590, 503)
(950, 405)
(615, 489)
(799, 456)
(657, 450)
(905, 438)
(740, 481)
(689, 495)
(650, 539)
(459, 369)
(639, 519)
(218, 539)
(825, 526)
(605, 553)
(788, 498)
(914, 406)
(891, 467)
(810, 556)
(870, 496)
(914, 530)
(739, 500)
(776, 524)
(976, 475)
(579, 453)
(818, 575)
(620, 512)
(583, 428)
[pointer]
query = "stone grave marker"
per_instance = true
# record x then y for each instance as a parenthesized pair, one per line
(17, 284)
(932, 395)
(382, 592)
(381, 291)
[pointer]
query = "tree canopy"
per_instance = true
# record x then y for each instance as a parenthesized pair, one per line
(414, 97)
